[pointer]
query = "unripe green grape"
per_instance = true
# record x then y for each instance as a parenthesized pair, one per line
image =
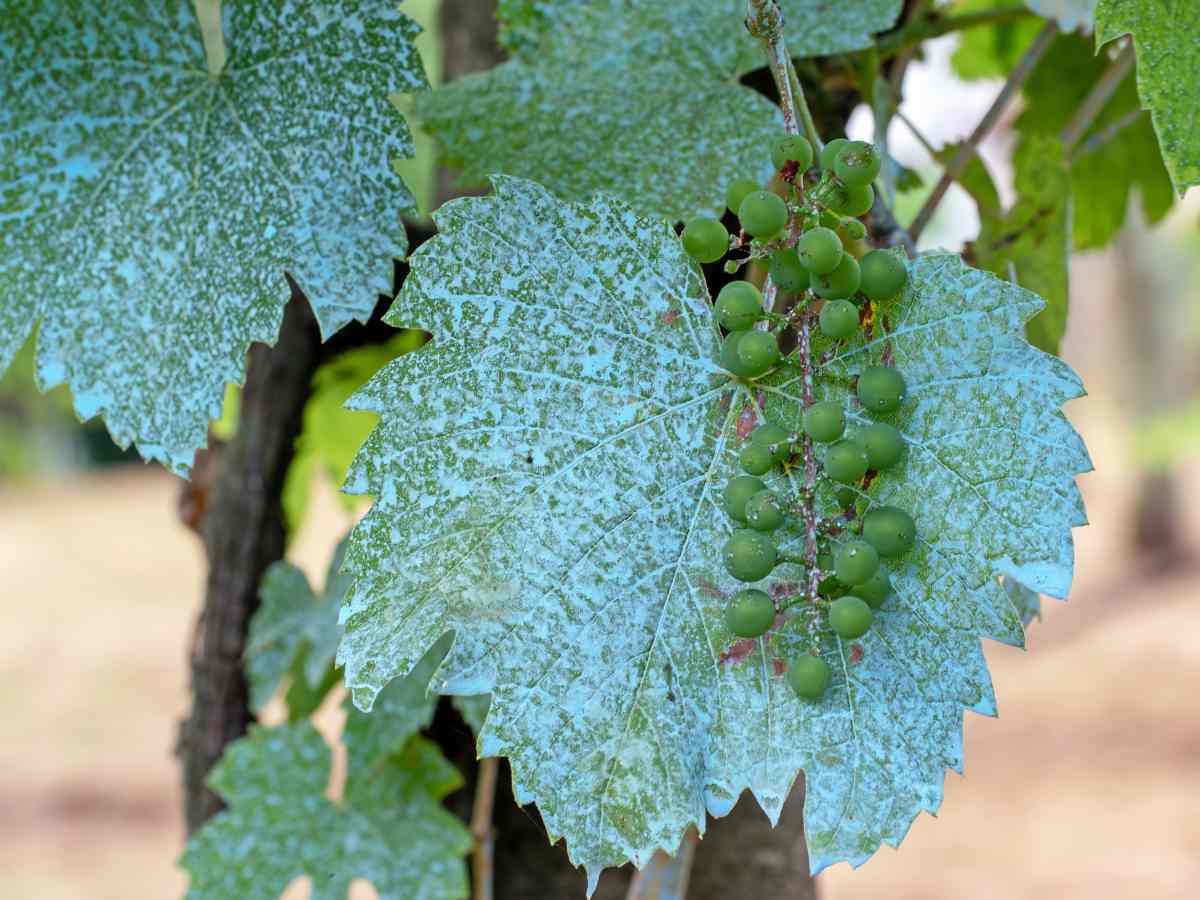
(838, 319)
(824, 422)
(750, 613)
(705, 239)
(792, 148)
(739, 306)
(749, 555)
(841, 282)
(762, 214)
(756, 459)
(883, 275)
(729, 357)
(829, 219)
(808, 677)
(845, 462)
(787, 272)
(731, 266)
(738, 490)
(845, 497)
(829, 586)
(819, 250)
(856, 231)
(881, 389)
(857, 163)
(883, 444)
(876, 589)
(850, 617)
(854, 562)
(764, 512)
(830, 153)
(889, 530)
(737, 191)
(771, 436)
(856, 200)
(758, 352)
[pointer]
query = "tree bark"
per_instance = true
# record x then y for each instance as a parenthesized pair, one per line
(244, 533)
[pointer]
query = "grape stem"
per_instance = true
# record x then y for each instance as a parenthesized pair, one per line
(482, 833)
(208, 13)
(968, 149)
(1101, 92)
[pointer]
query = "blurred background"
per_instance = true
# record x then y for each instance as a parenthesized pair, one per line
(1085, 787)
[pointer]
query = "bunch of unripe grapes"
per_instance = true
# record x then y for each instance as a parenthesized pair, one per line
(799, 237)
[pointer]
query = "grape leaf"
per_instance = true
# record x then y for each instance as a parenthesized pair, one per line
(1032, 239)
(991, 51)
(1166, 37)
(546, 472)
(1102, 180)
(1027, 603)
(148, 212)
(294, 631)
(668, 140)
(1069, 14)
(389, 828)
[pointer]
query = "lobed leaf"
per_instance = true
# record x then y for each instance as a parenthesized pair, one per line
(547, 475)
(148, 211)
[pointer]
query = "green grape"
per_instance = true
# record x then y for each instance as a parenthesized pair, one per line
(729, 358)
(856, 231)
(829, 219)
(845, 462)
(881, 389)
(756, 459)
(850, 617)
(738, 490)
(857, 163)
(750, 613)
(856, 200)
(830, 153)
(829, 586)
(889, 530)
(705, 240)
(883, 444)
(841, 282)
(792, 148)
(739, 306)
(764, 512)
(772, 436)
(845, 497)
(855, 562)
(819, 250)
(808, 677)
(787, 271)
(762, 214)
(737, 191)
(876, 589)
(758, 352)
(838, 319)
(883, 275)
(825, 421)
(749, 555)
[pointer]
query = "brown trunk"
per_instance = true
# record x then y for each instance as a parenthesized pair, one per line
(244, 533)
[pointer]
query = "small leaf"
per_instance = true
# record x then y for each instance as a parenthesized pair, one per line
(293, 631)
(1166, 37)
(1033, 239)
(148, 212)
(547, 473)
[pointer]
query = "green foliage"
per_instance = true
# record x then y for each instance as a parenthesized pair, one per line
(577, 487)
(1103, 181)
(295, 633)
(389, 826)
(180, 200)
(332, 434)
(1166, 36)
(991, 51)
(1031, 242)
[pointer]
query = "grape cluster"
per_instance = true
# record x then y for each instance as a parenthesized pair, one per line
(806, 238)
